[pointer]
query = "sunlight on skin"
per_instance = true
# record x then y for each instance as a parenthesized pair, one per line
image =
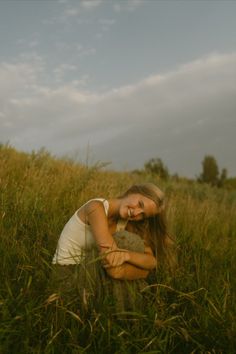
(137, 207)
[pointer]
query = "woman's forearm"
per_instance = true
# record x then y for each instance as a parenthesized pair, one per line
(127, 272)
(142, 260)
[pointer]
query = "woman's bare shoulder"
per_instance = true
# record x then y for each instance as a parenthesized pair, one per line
(91, 207)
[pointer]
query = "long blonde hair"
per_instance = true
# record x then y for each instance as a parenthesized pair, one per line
(154, 229)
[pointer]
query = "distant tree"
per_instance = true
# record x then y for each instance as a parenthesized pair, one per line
(223, 177)
(230, 183)
(156, 166)
(176, 177)
(210, 171)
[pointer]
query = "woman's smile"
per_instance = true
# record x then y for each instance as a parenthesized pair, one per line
(138, 207)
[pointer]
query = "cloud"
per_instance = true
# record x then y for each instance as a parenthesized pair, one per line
(82, 51)
(179, 116)
(128, 5)
(90, 4)
(106, 23)
(61, 70)
(77, 10)
(71, 12)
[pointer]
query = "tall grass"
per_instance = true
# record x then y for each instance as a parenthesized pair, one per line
(190, 311)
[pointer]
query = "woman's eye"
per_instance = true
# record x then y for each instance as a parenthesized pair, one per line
(141, 205)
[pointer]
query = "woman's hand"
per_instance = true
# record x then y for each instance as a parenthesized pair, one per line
(114, 257)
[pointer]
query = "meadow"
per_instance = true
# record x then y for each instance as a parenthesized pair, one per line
(192, 310)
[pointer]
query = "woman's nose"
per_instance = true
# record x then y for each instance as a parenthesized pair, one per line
(137, 211)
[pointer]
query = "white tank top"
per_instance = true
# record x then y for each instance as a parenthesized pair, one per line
(76, 236)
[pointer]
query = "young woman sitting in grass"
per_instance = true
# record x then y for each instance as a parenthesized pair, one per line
(109, 242)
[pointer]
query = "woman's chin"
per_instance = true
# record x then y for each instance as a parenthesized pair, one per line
(124, 216)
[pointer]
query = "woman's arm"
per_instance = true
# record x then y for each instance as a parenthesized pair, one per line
(144, 260)
(95, 216)
(130, 271)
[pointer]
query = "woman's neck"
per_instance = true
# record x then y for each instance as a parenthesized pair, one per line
(114, 207)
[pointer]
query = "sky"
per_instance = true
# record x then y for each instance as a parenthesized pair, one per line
(120, 81)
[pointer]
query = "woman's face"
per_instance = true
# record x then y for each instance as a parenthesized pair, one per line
(137, 207)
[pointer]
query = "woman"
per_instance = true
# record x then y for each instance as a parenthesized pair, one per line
(111, 227)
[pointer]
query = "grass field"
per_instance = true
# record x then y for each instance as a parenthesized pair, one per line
(193, 310)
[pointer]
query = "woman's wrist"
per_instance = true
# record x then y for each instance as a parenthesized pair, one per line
(127, 256)
(107, 247)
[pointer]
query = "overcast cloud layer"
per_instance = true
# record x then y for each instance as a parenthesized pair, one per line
(179, 115)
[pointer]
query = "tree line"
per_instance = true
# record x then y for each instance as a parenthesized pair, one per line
(210, 174)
